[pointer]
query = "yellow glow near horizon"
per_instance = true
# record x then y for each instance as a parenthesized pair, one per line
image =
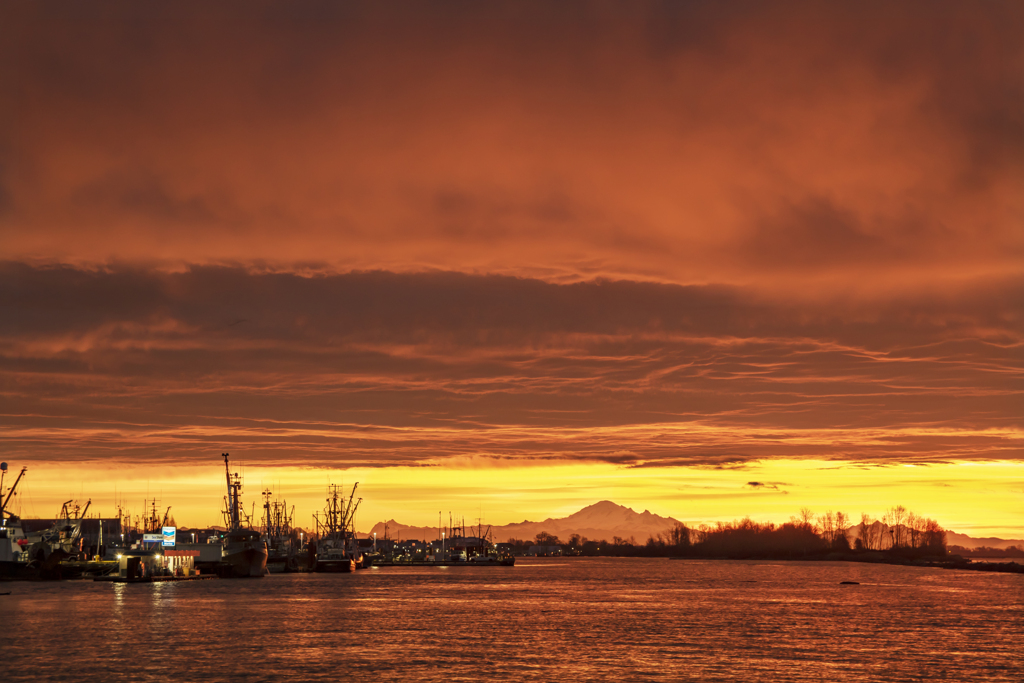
(977, 498)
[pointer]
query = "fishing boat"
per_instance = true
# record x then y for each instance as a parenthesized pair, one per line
(14, 558)
(245, 551)
(337, 550)
(38, 549)
(282, 545)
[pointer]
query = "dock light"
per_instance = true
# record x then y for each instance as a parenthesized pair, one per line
(118, 556)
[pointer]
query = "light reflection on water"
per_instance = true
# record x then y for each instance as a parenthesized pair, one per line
(590, 619)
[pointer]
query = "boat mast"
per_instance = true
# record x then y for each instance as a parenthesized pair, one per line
(333, 513)
(234, 486)
(269, 524)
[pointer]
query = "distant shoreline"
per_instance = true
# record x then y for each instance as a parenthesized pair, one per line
(955, 562)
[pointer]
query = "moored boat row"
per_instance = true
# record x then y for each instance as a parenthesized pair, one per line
(150, 547)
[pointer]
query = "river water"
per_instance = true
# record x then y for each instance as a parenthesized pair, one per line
(544, 619)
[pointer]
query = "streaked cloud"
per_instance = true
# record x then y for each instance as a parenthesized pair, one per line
(384, 368)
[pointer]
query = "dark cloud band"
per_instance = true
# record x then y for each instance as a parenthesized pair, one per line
(384, 368)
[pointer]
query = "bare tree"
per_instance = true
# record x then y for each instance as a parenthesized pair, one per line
(840, 540)
(807, 518)
(870, 532)
(863, 529)
(679, 536)
(913, 531)
(934, 537)
(827, 524)
(896, 518)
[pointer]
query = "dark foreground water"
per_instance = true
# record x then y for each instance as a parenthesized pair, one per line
(555, 619)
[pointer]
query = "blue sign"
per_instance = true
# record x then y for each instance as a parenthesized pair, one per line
(169, 533)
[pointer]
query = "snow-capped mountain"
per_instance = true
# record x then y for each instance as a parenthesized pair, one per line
(600, 521)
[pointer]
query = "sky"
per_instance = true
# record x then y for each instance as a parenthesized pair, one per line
(516, 258)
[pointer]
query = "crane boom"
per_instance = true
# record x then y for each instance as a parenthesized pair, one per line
(348, 508)
(3, 506)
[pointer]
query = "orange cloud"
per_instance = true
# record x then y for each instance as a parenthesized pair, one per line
(859, 150)
(382, 368)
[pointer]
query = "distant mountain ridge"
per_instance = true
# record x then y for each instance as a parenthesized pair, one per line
(952, 538)
(605, 520)
(600, 521)
(969, 542)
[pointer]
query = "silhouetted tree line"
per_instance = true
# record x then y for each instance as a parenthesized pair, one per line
(899, 533)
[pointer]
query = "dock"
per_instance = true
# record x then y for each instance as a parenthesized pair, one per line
(440, 563)
(154, 579)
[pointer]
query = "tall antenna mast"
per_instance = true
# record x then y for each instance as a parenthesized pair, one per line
(234, 488)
